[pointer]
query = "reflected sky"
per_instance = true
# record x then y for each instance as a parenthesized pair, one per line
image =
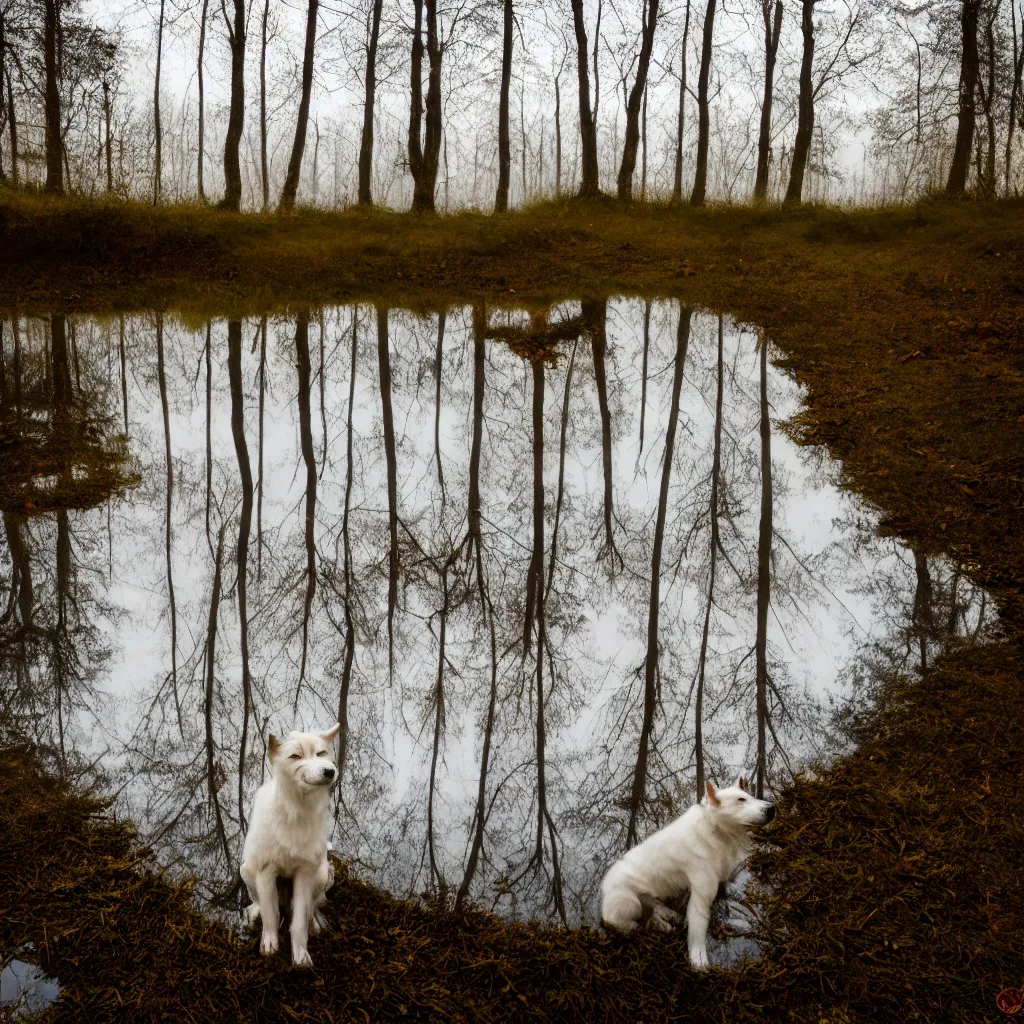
(449, 527)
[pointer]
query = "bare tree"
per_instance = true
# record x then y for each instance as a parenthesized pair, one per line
(264, 167)
(956, 184)
(425, 145)
(504, 146)
(236, 114)
(677, 181)
(54, 136)
(589, 184)
(158, 163)
(636, 95)
(369, 100)
(772, 30)
(201, 155)
(291, 181)
(700, 178)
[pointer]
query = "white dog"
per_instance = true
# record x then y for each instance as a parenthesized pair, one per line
(287, 838)
(698, 851)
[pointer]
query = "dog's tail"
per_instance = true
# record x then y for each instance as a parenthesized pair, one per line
(621, 908)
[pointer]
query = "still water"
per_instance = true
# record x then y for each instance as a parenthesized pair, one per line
(516, 556)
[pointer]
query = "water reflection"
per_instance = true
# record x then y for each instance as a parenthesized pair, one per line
(547, 570)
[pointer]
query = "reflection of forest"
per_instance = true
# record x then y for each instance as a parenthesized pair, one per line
(547, 571)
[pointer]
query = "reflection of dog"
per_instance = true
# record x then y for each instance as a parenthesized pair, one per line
(698, 851)
(287, 837)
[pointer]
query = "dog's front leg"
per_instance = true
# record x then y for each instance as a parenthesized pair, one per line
(302, 912)
(266, 897)
(698, 914)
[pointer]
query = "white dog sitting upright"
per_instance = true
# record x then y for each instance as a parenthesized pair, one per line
(287, 837)
(698, 851)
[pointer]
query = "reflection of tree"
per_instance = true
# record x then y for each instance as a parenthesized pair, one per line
(308, 457)
(764, 555)
(654, 611)
(384, 364)
(172, 604)
(244, 524)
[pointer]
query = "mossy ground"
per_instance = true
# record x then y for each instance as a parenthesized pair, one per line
(896, 875)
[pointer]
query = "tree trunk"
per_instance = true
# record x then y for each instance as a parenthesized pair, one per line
(416, 98)
(589, 185)
(236, 116)
(772, 30)
(366, 145)
(1018, 69)
(988, 101)
(636, 97)
(764, 579)
(291, 181)
(558, 140)
(13, 126)
(51, 59)
(201, 156)
(504, 146)
(433, 129)
(677, 184)
(106, 118)
(654, 607)
(805, 108)
(956, 184)
(643, 372)
(158, 163)
(264, 163)
(700, 177)
(209, 693)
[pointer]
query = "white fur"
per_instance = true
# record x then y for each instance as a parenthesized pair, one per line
(287, 838)
(698, 851)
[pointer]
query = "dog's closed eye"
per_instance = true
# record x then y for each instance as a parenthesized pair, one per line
(321, 753)
(294, 757)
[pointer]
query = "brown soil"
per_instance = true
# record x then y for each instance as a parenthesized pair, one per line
(897, 874)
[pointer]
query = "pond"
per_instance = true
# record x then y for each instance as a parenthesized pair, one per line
(519, 556)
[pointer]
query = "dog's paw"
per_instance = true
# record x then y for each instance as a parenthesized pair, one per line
(664, 919)
(699, 959)
(318, 924)
(301, 958)
(269, 944)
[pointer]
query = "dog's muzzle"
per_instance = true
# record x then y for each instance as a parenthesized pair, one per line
(769, 813)
(329, 773)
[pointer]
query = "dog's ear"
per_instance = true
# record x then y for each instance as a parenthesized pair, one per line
(272, 744)
(742, 783)
(331, 733)
(713, 800)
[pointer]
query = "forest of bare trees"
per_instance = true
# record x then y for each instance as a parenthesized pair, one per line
(438, 104)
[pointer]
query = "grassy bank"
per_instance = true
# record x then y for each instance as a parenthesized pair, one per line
(897, 890)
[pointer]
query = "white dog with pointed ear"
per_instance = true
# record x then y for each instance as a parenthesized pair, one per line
(696, 852)
(287, 837)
